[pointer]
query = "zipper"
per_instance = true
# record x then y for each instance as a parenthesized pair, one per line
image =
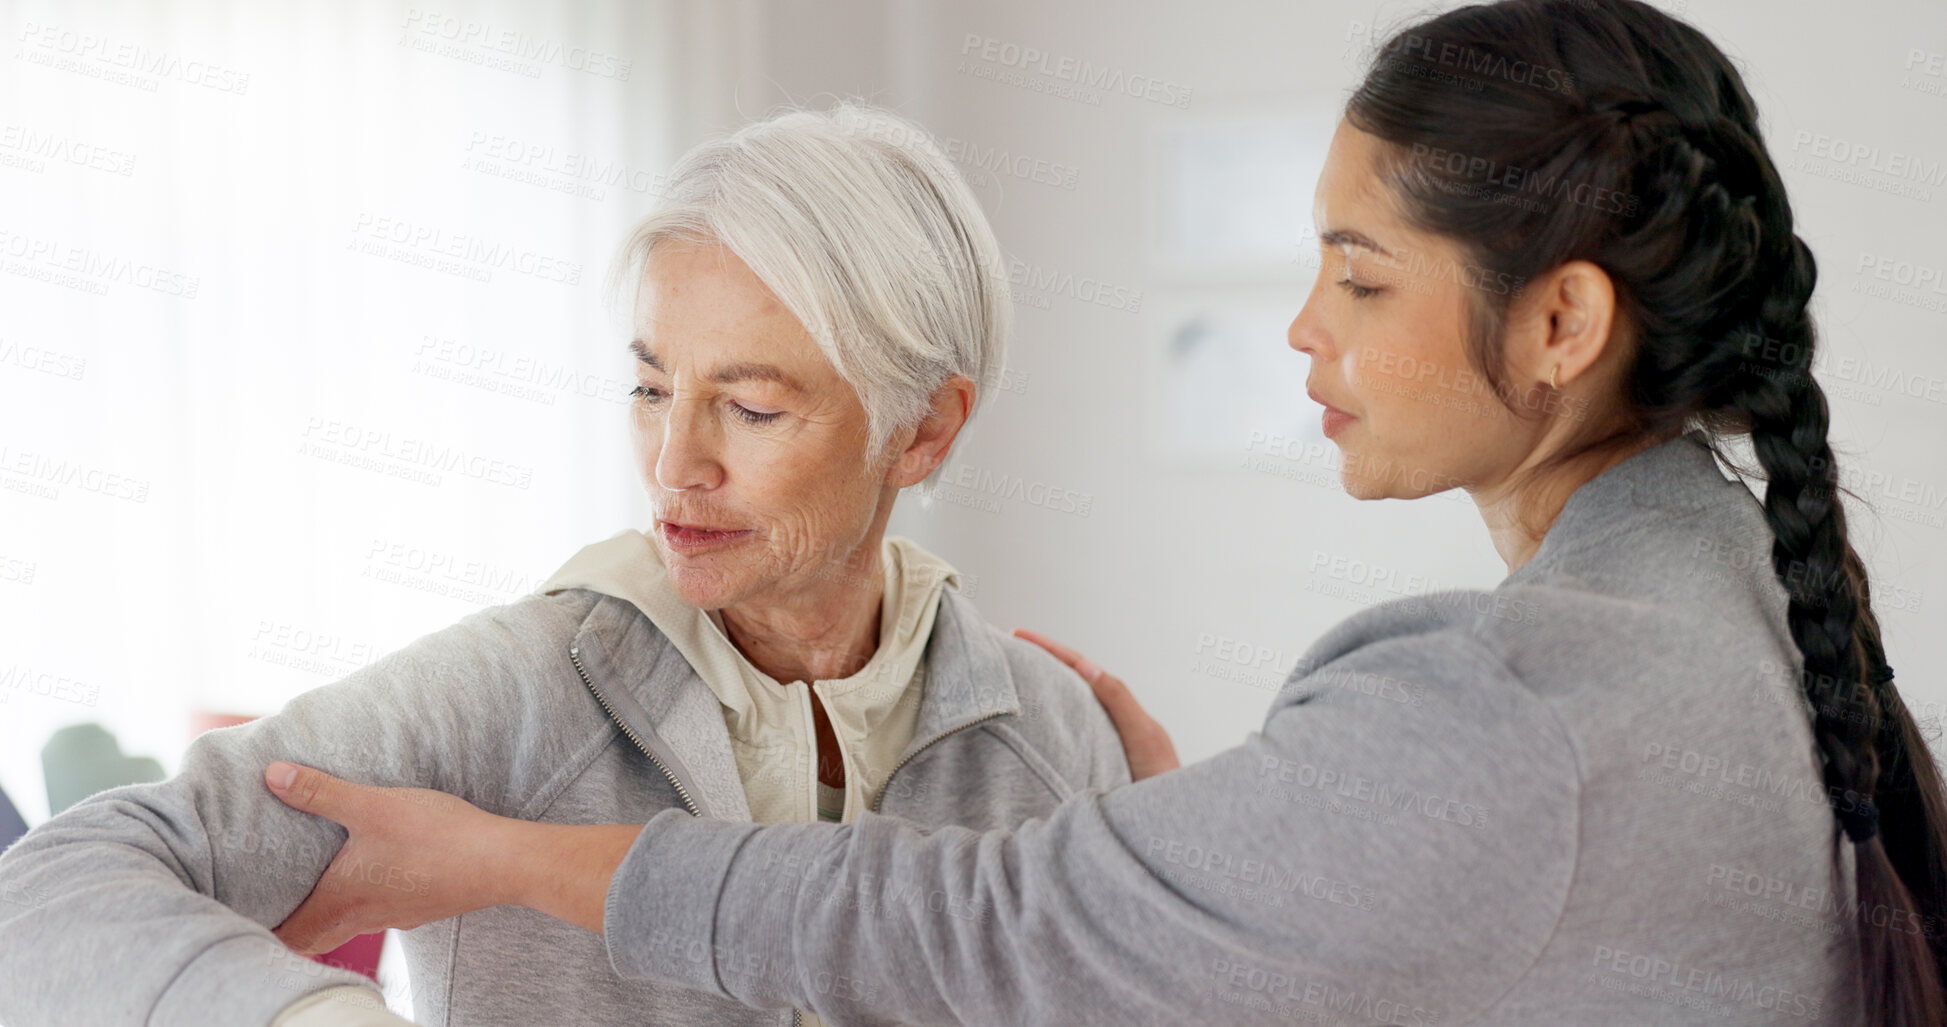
(908, 758)
(574, 653)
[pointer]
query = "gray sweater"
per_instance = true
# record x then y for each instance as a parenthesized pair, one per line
(1587, 796)
(151, 904)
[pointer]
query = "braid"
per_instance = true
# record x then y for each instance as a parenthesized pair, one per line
(1741, 274)
(1694, 265)
(1788, 422)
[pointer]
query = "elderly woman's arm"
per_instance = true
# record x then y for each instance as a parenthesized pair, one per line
(154, 903)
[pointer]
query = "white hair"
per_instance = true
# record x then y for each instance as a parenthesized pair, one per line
(857, 221)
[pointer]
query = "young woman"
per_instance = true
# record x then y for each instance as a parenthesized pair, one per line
(1659, 774)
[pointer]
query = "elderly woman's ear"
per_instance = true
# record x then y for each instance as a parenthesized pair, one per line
(926, 446)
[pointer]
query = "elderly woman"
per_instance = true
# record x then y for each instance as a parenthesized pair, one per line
(815, 305)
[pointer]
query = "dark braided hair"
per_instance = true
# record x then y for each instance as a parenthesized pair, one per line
(1536, 132)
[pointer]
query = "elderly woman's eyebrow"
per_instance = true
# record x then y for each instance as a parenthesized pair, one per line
(727, 373)
(641, 351)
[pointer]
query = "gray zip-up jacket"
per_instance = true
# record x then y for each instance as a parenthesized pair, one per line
(152, 904)
(1587, 796)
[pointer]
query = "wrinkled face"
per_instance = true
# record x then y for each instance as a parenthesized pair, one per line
(751, 445)
(1385, 326)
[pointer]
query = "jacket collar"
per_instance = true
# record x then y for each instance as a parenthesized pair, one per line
(663, 702)
(1677, 476)
(967, 677)
(656, 693)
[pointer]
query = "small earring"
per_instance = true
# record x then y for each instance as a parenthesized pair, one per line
(1551, 378)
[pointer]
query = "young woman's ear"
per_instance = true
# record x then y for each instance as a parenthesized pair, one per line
(1559, 326)
(952, 404)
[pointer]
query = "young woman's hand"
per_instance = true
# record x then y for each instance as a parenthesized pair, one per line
(1144, 741)
(415, 855)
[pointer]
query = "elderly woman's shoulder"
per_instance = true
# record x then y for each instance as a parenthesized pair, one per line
(1060, 716)
(550, 611)
(535, 622)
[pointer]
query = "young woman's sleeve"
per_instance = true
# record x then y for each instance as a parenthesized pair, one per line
(1395, 845)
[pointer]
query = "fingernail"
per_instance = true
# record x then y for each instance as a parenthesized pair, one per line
(1088, 670)
(281, 775)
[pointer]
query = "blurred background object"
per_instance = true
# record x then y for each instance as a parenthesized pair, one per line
(83, 759)
(12, 824)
